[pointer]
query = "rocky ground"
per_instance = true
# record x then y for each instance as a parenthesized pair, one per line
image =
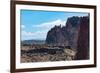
(32, 55)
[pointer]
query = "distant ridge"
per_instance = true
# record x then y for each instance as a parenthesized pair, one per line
(30, 42)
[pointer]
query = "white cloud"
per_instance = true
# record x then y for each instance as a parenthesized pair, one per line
(49, 25)
(34, 35)
(24, 33)
(22, 26)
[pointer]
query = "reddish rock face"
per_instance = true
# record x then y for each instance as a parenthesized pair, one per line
(83, 39)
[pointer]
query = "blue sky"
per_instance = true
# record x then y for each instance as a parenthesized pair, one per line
(36, 24)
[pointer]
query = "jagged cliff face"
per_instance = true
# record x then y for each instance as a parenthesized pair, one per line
(75, 34)
(56, 36)
(72, 27)
(66, 35)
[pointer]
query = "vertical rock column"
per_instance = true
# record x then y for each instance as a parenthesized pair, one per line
(83, 39)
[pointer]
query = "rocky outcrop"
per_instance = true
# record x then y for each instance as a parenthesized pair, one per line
(56, 36)
(66, 35)
(74, 34)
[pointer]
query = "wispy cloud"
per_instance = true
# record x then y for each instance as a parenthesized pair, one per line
(49, 25)
(24, 33)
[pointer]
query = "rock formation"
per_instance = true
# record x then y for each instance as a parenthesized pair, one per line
(74, 34)
(66, 35)
(83, 39)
